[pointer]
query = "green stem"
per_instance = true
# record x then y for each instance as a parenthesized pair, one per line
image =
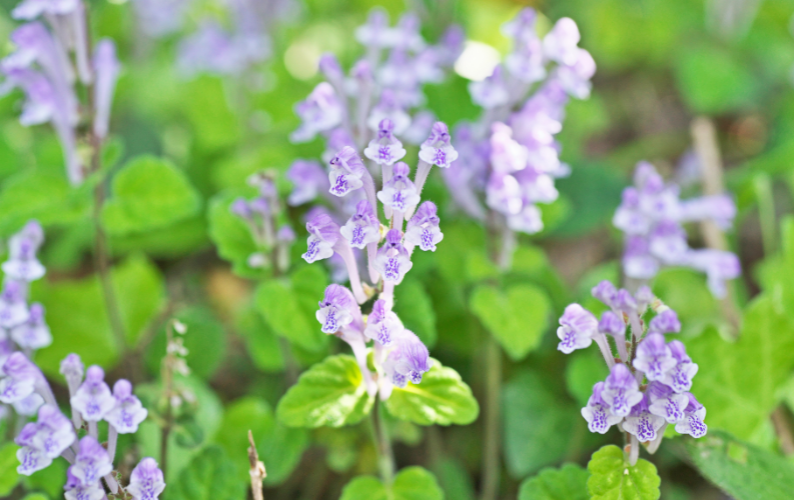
(492, 434)
(380, 435)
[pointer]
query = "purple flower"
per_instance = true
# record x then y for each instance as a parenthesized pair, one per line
(106, 68)
(577, 328)
(420, 127)
(22, 264)
(241, 208)
(376, 33)
(320, 112)
(72, 370)
(128, 412)
(157, 18)
(560, 44)
(407, 30)
(679, 378)
(653, 357)
(612, 324)
(75, 490)
(491, 92)
(146, 481)
(347, 169)
(526, 61)
(339, 310)
(13, 309)
(692, 423)
(667, 242)
(31, 9)
(389, 107)
(625, 302)
(91, 463)
(599, 418)
(719, 267)
(719, 208)
(323, 235)
(665, 403)
(385, 149)
(605, 292)
(29, 405)
(422, 228)
(383, 325)
(503, 194)
(437, 149)
(665, 322)
(637, 260)
(33, 333)
(330, 68)
(393, 261)
(285, 234)
(309, 179)
(528, 220)
(399, 193)
(93, 399)
(621, 391)
(19, 378)
(407, 361)
(642, 423)
(44, 440)
(363, 227)
(575, 78)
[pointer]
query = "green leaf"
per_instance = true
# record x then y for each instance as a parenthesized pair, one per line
(740, 395)
(331, 393)
(454, 479)
(415, 308)
(47, 197)
(454, 258)
(279, 447)
(411, 483)
(517, 318)
(149, 193)
(742, 470)
(36, 496)
(441, 398)
(209, 476)
(8, 468)
(205, 341)
(539, 423)
(583, 371)
(283, 308)
(611, 477)
(231, 235)
(50, 480)
(566, 483)
(76, 310)
(261, 343)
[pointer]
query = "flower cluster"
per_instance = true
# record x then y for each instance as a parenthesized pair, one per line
(510, 153)
(651, 215)
(42, 67)
(349, 110)
(262, 215)
(24, 387)
(649, 382)
(216, 50)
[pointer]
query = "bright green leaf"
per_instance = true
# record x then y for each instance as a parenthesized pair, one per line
(283, 310)
(36, 496)
(742, 470)
(50, 479)
(517, 318)
(209, 476)
(231, 235)
(569, 482)
(441, 398)
(261, 343)
(741, 385)
(331, 393)
(149, 193)
(8, 468)
(612, 478)
(411, 483)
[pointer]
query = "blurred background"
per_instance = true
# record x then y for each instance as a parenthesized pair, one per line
(661, 64)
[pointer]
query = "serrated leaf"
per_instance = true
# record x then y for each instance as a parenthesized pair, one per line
(612, 478)
(209, 476)
(569, 482)
(332, 393)
(76, 310)
(517, 318)
(411, 483)
(148, 193)
(441, 398)
(8, 468)
(740, 395)
(538, 421)
(740, 469)
(415, 308)
(284, 311)
(280, 448)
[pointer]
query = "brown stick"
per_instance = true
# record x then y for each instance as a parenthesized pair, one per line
(257, 471)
